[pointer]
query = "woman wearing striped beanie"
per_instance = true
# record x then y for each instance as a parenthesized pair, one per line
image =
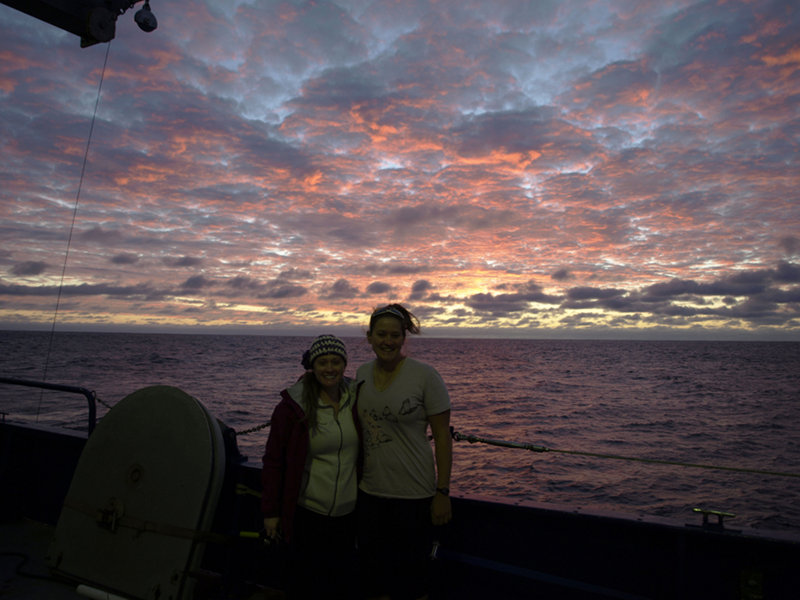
(309, 475)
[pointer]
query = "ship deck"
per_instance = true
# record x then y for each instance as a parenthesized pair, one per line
(23, 546)
(24, 573)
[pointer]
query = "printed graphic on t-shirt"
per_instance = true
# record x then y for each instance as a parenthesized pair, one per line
(372, 432)
(409, 406)
(378, 426)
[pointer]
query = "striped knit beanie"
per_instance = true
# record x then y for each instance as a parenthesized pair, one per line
(324, 344)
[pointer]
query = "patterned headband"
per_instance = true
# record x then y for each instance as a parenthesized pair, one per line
(389, 310)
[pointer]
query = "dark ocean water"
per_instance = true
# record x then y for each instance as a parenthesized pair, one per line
(721, 404)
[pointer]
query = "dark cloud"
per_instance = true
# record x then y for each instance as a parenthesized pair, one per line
(753, 297)
(401, 269)
(142, 291)
(284, 291)
(244, 283)
(588, 293)
(31, 267)
(183, 261)
(741, 284)
(537, 134)
(100, 235)
(340, 289)
(196, 282)
(125, 259)
(499, 305)
(260, 151)
(419, 219)
(242, 287)
(561, 275)
(293, 274)
(420, 289)
(378, 288)
(790, 244)
(787, 272)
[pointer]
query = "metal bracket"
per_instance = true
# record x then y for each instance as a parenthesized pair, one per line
(717, 513)
(108, 517)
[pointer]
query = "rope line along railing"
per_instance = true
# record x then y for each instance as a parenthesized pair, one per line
(254, 429)
(457, 436)
(474, 439)
(90, 395)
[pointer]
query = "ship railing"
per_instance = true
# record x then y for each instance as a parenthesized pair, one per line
(474, 439)
(90, 396)
(720, 515)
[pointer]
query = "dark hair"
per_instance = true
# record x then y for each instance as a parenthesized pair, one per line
(407, 320)
(311, 391)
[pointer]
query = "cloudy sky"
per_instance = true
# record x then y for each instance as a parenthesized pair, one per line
(626, 168)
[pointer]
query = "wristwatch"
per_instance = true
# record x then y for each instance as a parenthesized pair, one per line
(445, 491)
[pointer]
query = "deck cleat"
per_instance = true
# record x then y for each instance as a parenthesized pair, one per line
(720, 525)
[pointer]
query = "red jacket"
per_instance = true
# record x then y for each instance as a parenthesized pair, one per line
(284, 461)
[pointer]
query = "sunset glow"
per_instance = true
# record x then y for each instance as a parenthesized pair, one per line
(504, 168)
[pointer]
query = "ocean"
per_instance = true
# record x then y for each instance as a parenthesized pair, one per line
(610, 413)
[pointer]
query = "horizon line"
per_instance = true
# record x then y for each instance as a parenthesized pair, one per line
(606, 334)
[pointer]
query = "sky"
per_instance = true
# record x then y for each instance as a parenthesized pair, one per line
(504, 168)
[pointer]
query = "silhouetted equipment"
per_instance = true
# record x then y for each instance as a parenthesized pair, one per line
(94, 21)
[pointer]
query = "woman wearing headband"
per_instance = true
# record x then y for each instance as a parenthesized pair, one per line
(309, 475)
(405, 486)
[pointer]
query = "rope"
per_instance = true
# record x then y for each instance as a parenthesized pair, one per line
(103, 402)
(112, 517)
(472, 439)
(72, 229)
(254, 429)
